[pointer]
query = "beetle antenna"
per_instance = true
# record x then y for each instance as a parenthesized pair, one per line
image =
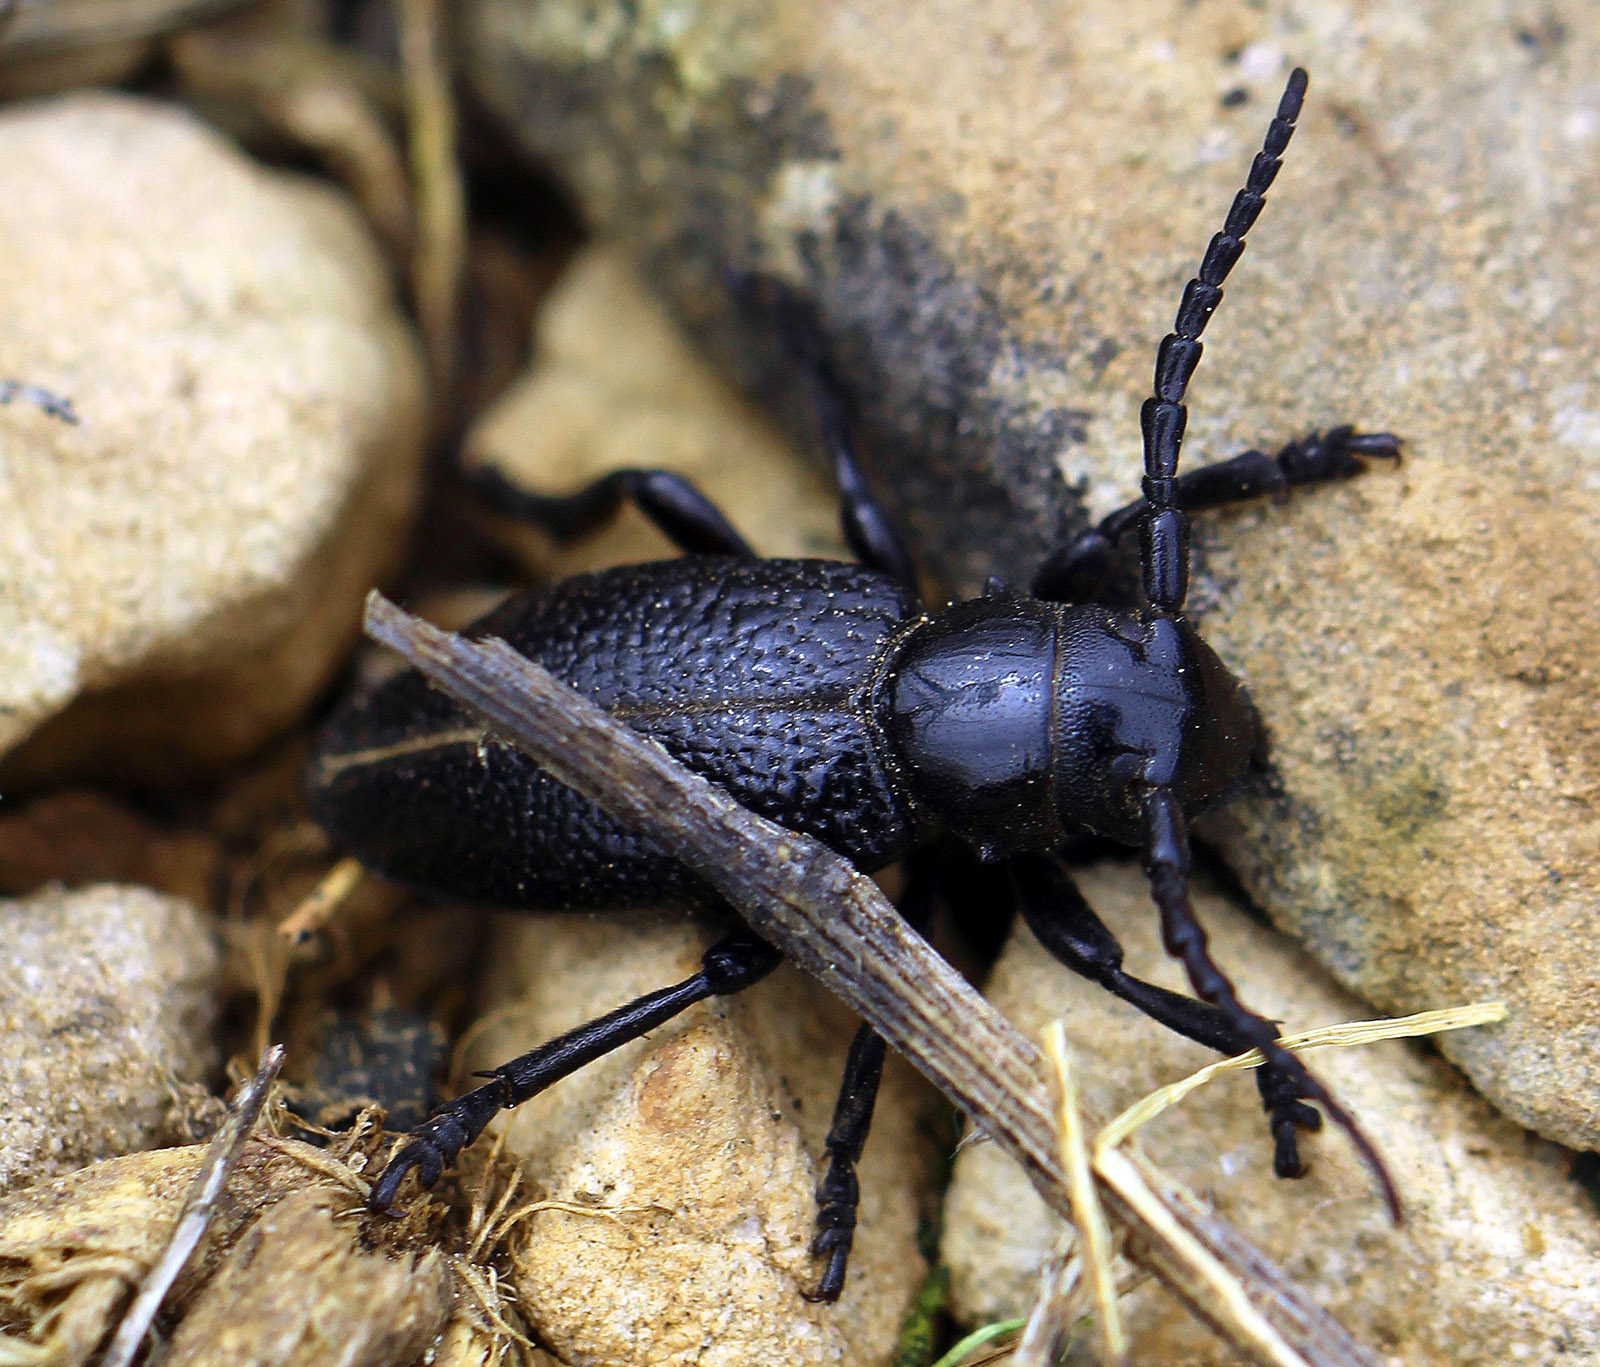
(1165, 529)
(1166, 865)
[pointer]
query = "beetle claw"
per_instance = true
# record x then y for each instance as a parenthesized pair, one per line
(421, 1154)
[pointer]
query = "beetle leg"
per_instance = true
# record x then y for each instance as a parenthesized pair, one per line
(1067, 927)
(839, 1193)
(1166, 863)
(1069, 930)
(729, 966)
(867, 527)
(1076, 571)
(679, 511)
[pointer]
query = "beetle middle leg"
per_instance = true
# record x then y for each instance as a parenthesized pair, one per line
(1077, 571)
(732, 964)
(678, 510)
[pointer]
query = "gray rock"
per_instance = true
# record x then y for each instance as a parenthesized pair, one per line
(1493, 1265)
(182, 574)
(108, 1000)
(993, 212)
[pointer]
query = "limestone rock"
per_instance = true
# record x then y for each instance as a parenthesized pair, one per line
(108, 998)
(181, 574)
(993, 212)
(680, 1169)
(1493, 1265)
(614, 383)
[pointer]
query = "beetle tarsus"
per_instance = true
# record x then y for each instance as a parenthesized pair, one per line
(434, 1144)
(728, 966)
(830, 1286)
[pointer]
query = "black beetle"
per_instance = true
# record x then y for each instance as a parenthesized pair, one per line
(823, 696)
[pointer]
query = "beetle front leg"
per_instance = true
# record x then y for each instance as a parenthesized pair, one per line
(1069, 930)
(867, 528)
(1077, 571)
(731, 965)
(1166, 864)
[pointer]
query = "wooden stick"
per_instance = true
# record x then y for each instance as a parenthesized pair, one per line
(834, 922)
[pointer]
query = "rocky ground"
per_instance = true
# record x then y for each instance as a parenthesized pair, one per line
(276, 261)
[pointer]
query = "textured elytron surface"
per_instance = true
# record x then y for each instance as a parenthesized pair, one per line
(753, 673)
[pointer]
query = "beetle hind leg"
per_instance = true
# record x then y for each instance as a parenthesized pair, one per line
(839, 1192)
(731, 965)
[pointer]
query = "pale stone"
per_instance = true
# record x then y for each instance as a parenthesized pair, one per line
(682, 1166)
(181, 575)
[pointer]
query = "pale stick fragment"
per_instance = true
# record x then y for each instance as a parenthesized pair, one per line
(834, 923)
(441, 215)
(320, 904)
(1113, 1167)
(1047, 1335)
(1228, 1302)
(1088, 1217)
(198, 1207)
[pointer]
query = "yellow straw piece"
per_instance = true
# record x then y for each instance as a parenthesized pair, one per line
(1342, 1036)
(1094, 1234)
(1232, 1304)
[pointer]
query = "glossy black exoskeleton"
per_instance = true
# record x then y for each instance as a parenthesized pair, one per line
(825, 697)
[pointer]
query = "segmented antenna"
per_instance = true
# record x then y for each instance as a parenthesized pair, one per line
(1164, 531)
